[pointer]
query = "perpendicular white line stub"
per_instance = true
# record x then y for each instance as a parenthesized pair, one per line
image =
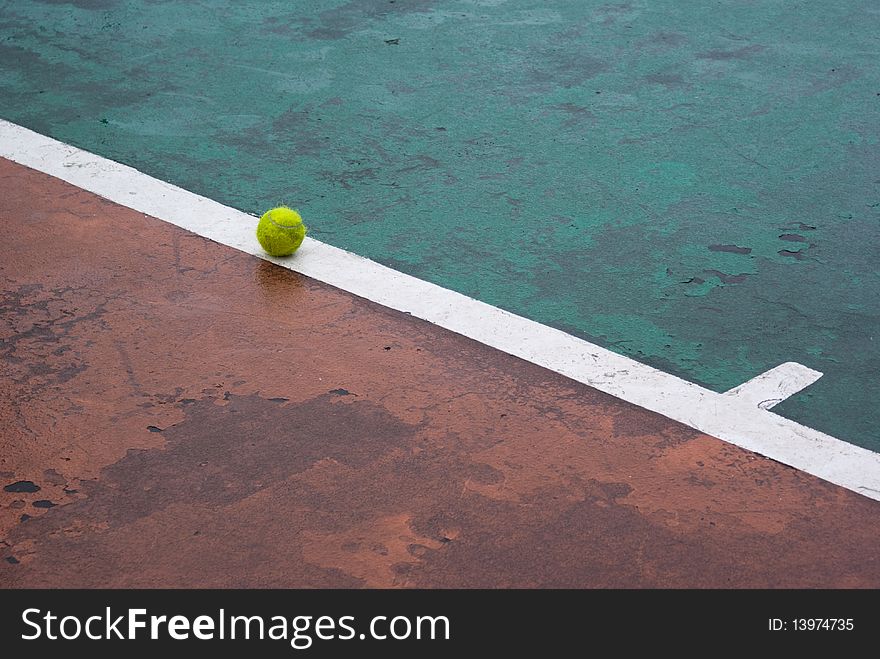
(772, 387)
(734, 418)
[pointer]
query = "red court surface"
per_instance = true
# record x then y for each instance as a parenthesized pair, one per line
(196, 417)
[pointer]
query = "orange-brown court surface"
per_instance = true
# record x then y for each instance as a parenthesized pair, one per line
(193, 416)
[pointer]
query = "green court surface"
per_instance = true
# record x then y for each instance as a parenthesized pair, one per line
(692, 184)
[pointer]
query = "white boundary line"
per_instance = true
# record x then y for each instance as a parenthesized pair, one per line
(733, 418)
(774, 386)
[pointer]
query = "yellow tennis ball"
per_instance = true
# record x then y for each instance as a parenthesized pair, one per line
(281, 231)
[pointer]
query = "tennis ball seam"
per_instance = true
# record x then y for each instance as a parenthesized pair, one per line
(285, 226)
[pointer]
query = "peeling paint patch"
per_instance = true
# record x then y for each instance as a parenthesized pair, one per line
(22, 486)
(732, 249)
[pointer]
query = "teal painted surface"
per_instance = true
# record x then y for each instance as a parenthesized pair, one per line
(692, 184)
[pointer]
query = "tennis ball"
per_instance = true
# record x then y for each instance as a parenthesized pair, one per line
(281, 231)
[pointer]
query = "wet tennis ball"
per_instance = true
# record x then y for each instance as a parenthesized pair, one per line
(281, 231)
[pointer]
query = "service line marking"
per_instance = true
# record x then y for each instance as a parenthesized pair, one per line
(738, 416)
(774, 386)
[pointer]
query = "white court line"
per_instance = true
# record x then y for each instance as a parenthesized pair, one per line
(736, 419)
(774, 386)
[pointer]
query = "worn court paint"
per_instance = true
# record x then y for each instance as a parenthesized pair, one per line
(690, 184)
(304, 437)
(735, 418)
